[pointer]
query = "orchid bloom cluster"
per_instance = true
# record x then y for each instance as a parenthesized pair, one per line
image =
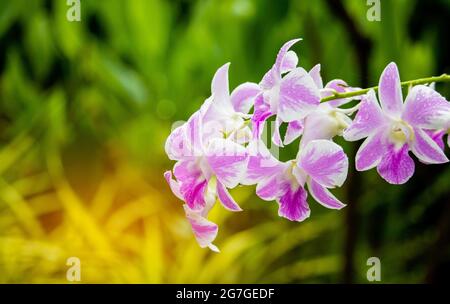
(221, 146)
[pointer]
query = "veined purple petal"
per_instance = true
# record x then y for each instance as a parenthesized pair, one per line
(204, 231)
(368, 119)
(290, 62)
(294, 130)
(293, 204)
(339, 86)
(425, 108)
(226, 199)
(174, 186)
(325, 162)
(243, 97)
(298, 95)
(228, 160)
(396, 166)
(390, 91)
(323, 196)
(260, 115)
(268, 189)
(315, 75)
(370, 152)
(192, 183)
(261, 164)
(437, 137)
(425, 149)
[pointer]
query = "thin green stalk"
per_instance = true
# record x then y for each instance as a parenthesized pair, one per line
(442, 78)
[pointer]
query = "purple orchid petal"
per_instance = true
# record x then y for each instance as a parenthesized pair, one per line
(285, 62)
(205, 231)
(269, 188)
(437, 137)
(242, 98)
(396, 166)
(325, 162)
(293, 204)
(368, 119)
(315, 75)
(323, 196)
(294, 130)
(228, 160)
(219, 86)
(261, 164)
(226, 199)
(390, 91)
(192, 183)
(339, 86)
(425, 108)
(174, 186)
(175, 146)
(261, 114)
(425, 149)
(370, 152)
(298, 95)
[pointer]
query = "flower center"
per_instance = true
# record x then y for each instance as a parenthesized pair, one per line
(401, 132)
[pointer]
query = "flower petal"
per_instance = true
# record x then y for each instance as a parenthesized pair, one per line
(261, 114)
(390, 91)
(298, 95)
(315, 75)
(293, 204)
(226, 199)
(243, 97)
(325, 162)
(276, 137)
(285, 60)
(370, 152)
(425, 108)
(204, 231)
(426, 149)
(192, 183)
(323, 196)
(368, 119)
(437, 137)
(396, 166)
(261, 164)
(294, 130)
(174, 186)
(194, 132)
(175, 145)
(228, 160)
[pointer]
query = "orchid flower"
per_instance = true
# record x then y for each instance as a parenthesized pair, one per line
(207, 162)
(327, 120)
(288, 92)
(320, 165)
(397, 128)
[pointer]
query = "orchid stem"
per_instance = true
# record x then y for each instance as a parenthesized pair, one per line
(442, 78)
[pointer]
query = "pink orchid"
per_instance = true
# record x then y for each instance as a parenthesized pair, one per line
(397, 128)
(208, 162)
(321, 164)
(290, 97)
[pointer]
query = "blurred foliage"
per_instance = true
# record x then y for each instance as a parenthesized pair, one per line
(85, 108)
